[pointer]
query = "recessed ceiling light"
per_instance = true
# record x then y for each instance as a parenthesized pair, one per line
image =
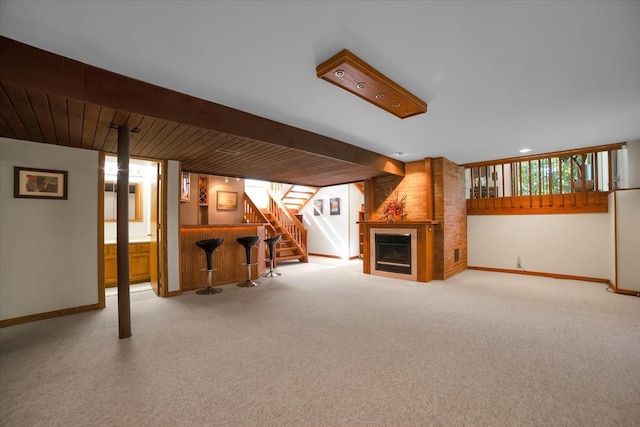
(339, 73)
(380, 96)
(361, 85)
(399, 153)
(395, 104)
(525, 150)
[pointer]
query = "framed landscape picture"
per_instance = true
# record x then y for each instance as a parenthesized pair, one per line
(31, 183)
(227, 200)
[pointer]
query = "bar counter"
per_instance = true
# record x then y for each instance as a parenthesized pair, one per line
(229, 259)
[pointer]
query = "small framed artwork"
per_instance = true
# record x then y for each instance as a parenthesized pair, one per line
(33, 183)
(334, 206)
(227, 200)
(318, 205)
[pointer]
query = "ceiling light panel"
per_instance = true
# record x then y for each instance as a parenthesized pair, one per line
(356, 76)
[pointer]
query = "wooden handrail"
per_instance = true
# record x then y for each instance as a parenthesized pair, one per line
(565, 153)
(295, 230)
(253, 215)
(548, 192)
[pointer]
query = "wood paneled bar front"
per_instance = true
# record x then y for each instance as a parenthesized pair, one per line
(229, 259)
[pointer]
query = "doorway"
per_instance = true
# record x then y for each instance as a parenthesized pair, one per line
(145, 201)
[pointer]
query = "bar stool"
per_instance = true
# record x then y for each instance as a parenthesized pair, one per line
(208, 246)
(248, 242)
(272, 241)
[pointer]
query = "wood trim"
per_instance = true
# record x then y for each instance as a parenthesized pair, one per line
(161, 240)
(101, 280)
(48, 315)
(615, 240)
(560, 276)
(550, 205)
(333, 256)
(542, 274)
(626, 292)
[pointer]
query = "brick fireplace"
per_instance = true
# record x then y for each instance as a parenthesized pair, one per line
(435, 195)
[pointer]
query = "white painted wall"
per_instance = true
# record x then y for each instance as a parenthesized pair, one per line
(573, 244)
(189, 209)
(633, 162)
(628, 238)
(612, 232)
(173, 225)
(356, 200)
(48, 248)
(333, 235)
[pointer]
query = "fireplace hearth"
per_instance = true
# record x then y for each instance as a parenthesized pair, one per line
(393, 253)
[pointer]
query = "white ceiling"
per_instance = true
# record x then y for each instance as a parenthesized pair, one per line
(498, 76)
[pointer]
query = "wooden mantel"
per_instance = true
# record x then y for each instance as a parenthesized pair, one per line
(424, 231)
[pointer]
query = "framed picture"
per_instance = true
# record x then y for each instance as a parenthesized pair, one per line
(334, 206)
(318, 204)
(39, 183)
(227, 200)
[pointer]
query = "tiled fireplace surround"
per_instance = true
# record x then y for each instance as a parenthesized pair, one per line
(435, 193)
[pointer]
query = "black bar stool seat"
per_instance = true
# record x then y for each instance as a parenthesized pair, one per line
(272, 242)
(248, 242)
(208, 246)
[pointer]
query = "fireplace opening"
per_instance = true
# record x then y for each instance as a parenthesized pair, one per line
(393, 253)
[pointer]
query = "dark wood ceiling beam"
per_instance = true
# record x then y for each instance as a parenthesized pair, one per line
(45, 72)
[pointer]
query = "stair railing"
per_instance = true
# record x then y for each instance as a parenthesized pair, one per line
(290, 224)
(253, 215)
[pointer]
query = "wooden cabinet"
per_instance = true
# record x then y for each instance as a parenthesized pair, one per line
(139, 263)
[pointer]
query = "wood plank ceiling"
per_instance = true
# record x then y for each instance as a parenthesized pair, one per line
(51, 99)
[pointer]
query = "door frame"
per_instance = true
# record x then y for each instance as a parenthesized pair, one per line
(161, 263)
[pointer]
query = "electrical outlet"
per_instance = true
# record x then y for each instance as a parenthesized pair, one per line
(518, 264)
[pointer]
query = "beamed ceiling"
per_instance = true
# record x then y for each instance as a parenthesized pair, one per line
(50, 99)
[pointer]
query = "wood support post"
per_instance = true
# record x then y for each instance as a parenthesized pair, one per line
(124, 303)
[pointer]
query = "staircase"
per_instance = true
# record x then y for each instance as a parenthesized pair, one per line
(287, 248)
(279, 221)
(297, 196)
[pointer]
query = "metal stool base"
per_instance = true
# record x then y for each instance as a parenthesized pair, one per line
(248, 284)
(208, 291)
(271, 274)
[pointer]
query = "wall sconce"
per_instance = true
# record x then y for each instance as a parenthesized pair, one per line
(185, 188)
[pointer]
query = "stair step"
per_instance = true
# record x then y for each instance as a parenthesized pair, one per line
(288, 257)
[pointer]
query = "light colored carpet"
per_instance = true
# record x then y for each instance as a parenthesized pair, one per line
(326, 345)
